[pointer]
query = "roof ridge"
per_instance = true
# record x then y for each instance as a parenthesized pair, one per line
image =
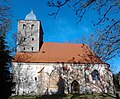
(66, 43)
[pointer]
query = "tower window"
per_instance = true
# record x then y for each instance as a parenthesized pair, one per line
(24, 48)
(23, 26)
(32, 26)
(32, 48)
(35, 78)
(32, 39)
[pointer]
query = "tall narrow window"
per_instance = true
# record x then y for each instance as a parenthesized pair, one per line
(32, 48)
(23, 26)
(86, 78)
(24, 48)
(35, 78)
(32, 26)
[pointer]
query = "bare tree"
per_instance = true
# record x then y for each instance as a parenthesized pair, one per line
(24, 80)
(106, 42)
(23, 39)
(18, 72)
(107, 46)
(26, 83)
(103, 47)
(5, 15)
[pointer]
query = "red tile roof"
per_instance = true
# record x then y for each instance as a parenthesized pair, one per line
(59, 52)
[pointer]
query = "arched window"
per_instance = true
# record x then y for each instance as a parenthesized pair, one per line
(32, 26)
(32, 39)
(95, 75)
(23, 26)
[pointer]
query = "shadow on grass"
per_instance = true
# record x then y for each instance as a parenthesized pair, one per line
(69, 96)
(74, 96)
(82, 96)
(107, 95)
(93, 96)
(51, 96)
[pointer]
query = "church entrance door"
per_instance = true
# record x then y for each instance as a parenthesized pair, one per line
(75, 87)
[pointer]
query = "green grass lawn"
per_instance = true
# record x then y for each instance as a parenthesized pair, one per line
(68, 96)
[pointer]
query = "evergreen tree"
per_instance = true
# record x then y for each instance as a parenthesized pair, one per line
(116, 78)
(6, 83)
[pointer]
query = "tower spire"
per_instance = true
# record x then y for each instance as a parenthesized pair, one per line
(30, 16)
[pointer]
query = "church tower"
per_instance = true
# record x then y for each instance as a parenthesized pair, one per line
(30, 34)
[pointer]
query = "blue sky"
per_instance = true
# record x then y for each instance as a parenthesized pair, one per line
(62, 29)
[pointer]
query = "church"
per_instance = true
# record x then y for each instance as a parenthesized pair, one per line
(56, 68)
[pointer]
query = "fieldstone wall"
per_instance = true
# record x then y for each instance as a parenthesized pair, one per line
(58, 78)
